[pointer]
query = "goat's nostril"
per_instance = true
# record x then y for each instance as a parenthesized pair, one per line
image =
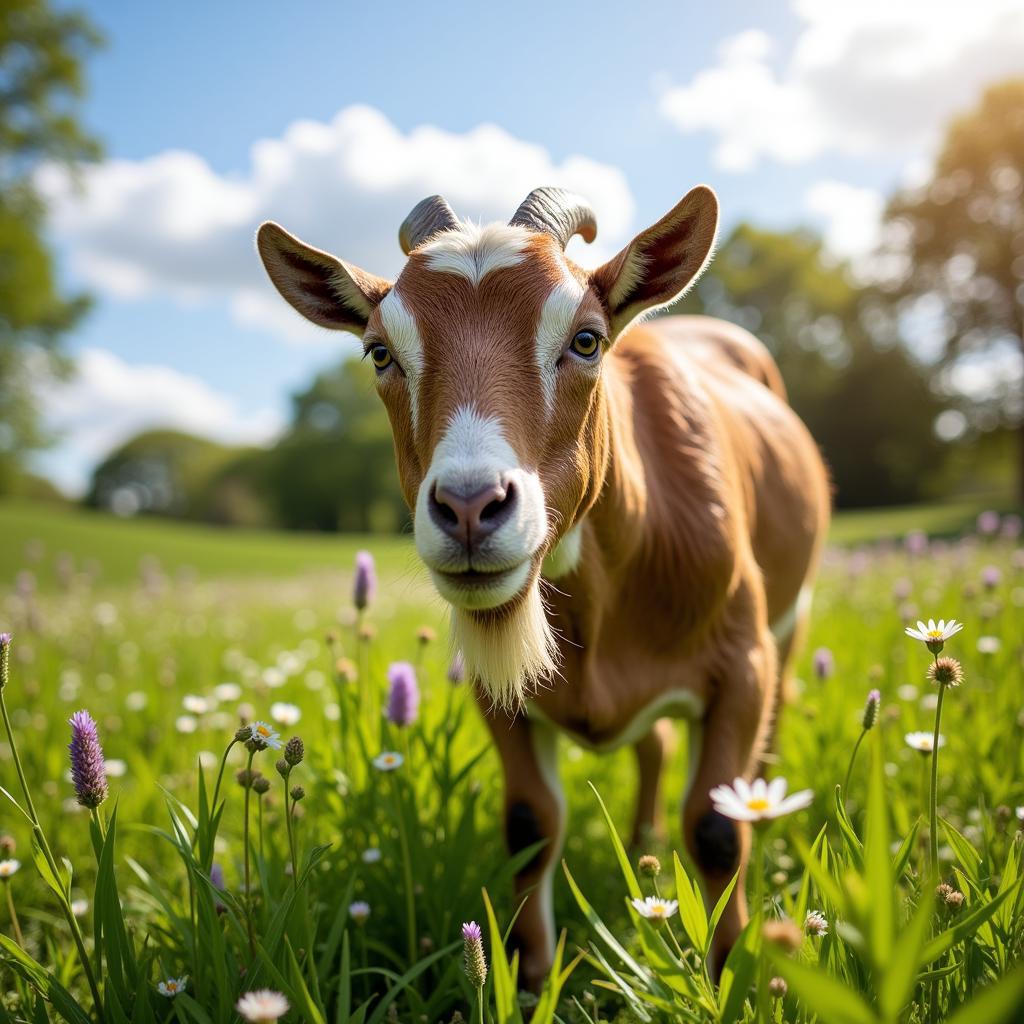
(441, 508)
(501, 501)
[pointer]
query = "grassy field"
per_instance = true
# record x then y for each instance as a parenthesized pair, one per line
(170, 635)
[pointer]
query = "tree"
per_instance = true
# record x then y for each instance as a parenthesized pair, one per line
(959, 242)
(41, 81)
(865, 399)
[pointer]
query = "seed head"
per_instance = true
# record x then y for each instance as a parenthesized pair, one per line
(298, 793)
(8, 844)
(871, 709)
(473, 959)
(778, 987)
(242, 733)
(283, 768)
(649, 865)
(88, 769)
(946, 672)
(294, 751)
(364, 586)
(261, 784)
(5, 658)
(346, 671)
(425, 635)
(783, 933)
(245, 777)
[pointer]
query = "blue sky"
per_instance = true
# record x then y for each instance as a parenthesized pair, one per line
(796, 111)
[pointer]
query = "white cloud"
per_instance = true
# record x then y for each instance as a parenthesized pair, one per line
(108, 401)
(861, 78)
(850, 216)
(170, 224)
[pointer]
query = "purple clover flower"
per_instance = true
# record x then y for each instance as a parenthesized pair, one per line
(365, 586)
(988, 522)
(457, 669)
(404, 695)
(88, 771)
(473, 960)
(824, 663)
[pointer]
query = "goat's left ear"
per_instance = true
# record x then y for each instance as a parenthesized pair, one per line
(659, 264)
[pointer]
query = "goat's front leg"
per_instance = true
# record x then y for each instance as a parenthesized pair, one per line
(651, 753)
(729, 739)
(534, 811)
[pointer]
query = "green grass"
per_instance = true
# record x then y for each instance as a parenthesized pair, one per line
(256, 611)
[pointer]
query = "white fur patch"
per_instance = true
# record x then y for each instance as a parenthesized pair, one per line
(406, 344)
(511, 656)
(473, 252)
(565, 556)
(556, 319)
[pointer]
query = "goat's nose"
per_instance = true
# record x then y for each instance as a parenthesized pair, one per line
(471, 517)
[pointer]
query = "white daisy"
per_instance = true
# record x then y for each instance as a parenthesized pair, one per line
(1020, 813)
(172, 986)
(263, 1006)
(227, 691)
(388, 761)
(194, 704)
(934, 635)
(79, 907)
(115, 767)
(265, 735)
(285, 714)
(186, 723)
(922, 741)
(8, 868)
(988, 645)
(758, 801)
(359, 911)
(371, 855)
(654, 908)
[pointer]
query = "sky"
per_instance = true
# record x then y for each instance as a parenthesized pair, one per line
(335, 119)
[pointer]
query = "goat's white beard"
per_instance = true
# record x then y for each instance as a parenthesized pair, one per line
(511, 655)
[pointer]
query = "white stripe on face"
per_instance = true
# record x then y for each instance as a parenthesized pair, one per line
(473, 252)
(556, 319)
(406, 344)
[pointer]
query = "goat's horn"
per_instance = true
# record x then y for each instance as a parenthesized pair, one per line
(428, 217)
(557, 212)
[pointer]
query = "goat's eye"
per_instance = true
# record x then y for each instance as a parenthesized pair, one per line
(380, 357)
(586, 344)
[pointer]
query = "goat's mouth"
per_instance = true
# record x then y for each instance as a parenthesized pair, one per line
(480, 589)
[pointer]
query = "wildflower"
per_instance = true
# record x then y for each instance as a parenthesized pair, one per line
(8, 868)
(195, 705)
(371, 855)
(871, 710)
(294, 751)
(916, 542)
(988, 645)
(758, 801)
(359, 911)
(283, 767)
(404, 695)
(264, 1006)
(8, 844)
(172, 986)
(286, 714)
(955, 899)
(991, 577)
(649, 865)
(87, 768)
(778, 987)
(367, 631)
(261, 736)
(988, 522)
(946, 672)
(457, 669)
(186, 724)
(298, 793)
(922, 742)
(783, 933)
(364, 586)
(816, 923)
(388, 761)
(261, 784)
(346, 671)
(5, 658)
(227, 691)
(425, 635)
(824, 663)
(473, 958)
(116, 768)
(245, 777)
(934, 636)
(1019, 811)
(79, 907)
(654, 908)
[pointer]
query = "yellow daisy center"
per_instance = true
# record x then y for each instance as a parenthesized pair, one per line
(172, 986)
(758, 803)
(935, 634)
(263, 730)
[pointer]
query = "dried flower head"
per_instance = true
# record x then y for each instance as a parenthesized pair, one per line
(778, 987)
(245, 777)
(294, 751)
(425, 635)
(404, 694)
(649, 865)
(297, 793)
(282, 767)
(88, 772)
(261, 784)
(783, 933)
(473, 959)
(5, 658)
(946, 672)
(346, 671)
(364, 586)
(8, 844)
(871, 706)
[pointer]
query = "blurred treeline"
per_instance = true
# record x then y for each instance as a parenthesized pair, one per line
(874, 355)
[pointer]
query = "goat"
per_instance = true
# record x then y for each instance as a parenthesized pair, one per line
(652, 471)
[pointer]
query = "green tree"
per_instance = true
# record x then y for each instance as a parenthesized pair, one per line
(865, 399)
(41, 82)
(959, 241)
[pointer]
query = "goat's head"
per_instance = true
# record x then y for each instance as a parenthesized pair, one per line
(488, 351)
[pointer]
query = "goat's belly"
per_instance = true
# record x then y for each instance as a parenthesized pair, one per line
(672, 704)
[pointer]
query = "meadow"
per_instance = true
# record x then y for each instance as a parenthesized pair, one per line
(204, 874)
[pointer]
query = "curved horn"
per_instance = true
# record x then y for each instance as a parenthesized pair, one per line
(558, 213)
(428, 217)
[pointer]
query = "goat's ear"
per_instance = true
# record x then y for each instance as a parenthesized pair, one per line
(322, 288)
(661, 262)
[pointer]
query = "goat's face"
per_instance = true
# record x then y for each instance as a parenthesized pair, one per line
(488, 353)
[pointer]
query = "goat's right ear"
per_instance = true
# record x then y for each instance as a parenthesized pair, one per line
(322, 288)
